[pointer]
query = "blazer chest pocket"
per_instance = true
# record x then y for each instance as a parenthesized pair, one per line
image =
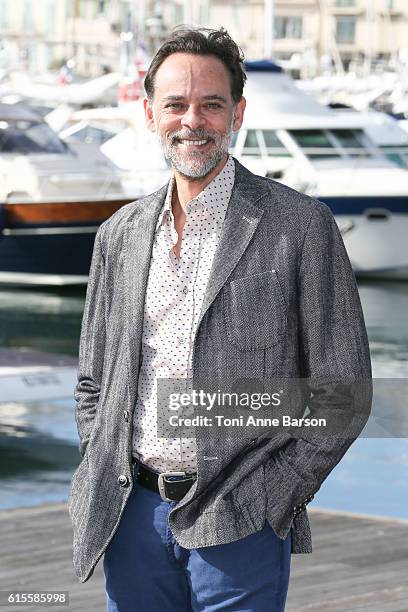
(255, 311)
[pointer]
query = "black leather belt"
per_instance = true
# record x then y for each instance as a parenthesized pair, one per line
(171, 486)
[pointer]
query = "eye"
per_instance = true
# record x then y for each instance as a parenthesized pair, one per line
(214, 105)
(174, 105)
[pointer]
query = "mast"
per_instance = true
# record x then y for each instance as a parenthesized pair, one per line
(330, 41)
(188, 12)
(268, 28)
(371, 36)
(139, 9)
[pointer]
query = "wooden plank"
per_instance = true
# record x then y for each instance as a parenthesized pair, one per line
(358, 562)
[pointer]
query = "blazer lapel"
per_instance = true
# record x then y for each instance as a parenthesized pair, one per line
(140, 233)
(241, 220)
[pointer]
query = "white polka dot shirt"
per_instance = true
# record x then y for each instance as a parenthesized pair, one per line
(174, 296)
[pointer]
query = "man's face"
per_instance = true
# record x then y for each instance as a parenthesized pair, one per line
(193, 112)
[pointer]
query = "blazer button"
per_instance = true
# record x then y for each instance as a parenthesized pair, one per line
(126, 415)
(123, 480)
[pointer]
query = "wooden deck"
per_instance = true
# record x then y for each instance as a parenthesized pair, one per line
(359, 563)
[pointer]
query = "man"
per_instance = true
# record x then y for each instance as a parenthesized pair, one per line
(219, 276)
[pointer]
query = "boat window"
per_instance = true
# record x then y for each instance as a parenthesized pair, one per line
(251, 144)
(274, 147)
(352, 141)
(397, 155)
(234, 137)
(316, 143)
(91, 135)
(29, 137)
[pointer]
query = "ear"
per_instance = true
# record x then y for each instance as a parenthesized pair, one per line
(239, 114)
(148, 109)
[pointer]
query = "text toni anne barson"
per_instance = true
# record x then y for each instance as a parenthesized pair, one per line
(220, 420)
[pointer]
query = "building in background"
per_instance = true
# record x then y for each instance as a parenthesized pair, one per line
(50, 32)
(308, 35)
(311, 35)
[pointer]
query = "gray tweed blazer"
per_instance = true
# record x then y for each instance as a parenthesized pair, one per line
(281, 301)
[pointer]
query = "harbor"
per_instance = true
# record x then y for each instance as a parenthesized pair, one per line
(326, 114)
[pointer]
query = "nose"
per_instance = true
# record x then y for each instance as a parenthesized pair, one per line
(193, 118)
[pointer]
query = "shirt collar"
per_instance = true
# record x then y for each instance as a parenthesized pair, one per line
(224, 179)
(167, 208)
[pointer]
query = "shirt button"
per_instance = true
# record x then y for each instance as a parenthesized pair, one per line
(181, 340)
(123, 480)
(126, 415)
(185, 290)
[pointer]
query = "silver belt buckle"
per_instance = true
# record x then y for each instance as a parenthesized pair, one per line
(161, 483)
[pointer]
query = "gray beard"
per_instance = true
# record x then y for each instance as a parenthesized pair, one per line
(196, 165)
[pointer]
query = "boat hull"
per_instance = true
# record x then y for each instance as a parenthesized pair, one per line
(50, 243)
(374, 231)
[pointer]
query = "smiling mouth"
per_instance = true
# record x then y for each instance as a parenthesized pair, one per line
(192, 143)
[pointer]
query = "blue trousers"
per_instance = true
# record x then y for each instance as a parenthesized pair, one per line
(147, 571)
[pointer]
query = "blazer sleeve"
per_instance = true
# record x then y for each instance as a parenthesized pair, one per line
(335, 363)
(91, 346)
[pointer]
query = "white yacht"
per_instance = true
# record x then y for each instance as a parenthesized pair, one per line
(343, 159)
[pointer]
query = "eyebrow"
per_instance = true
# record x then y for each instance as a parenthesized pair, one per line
(209, 97)
(215, 97)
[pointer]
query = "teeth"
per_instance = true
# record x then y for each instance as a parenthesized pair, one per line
(194, 142)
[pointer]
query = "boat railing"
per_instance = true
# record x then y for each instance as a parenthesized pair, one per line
(396, 154)
(344, 152)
